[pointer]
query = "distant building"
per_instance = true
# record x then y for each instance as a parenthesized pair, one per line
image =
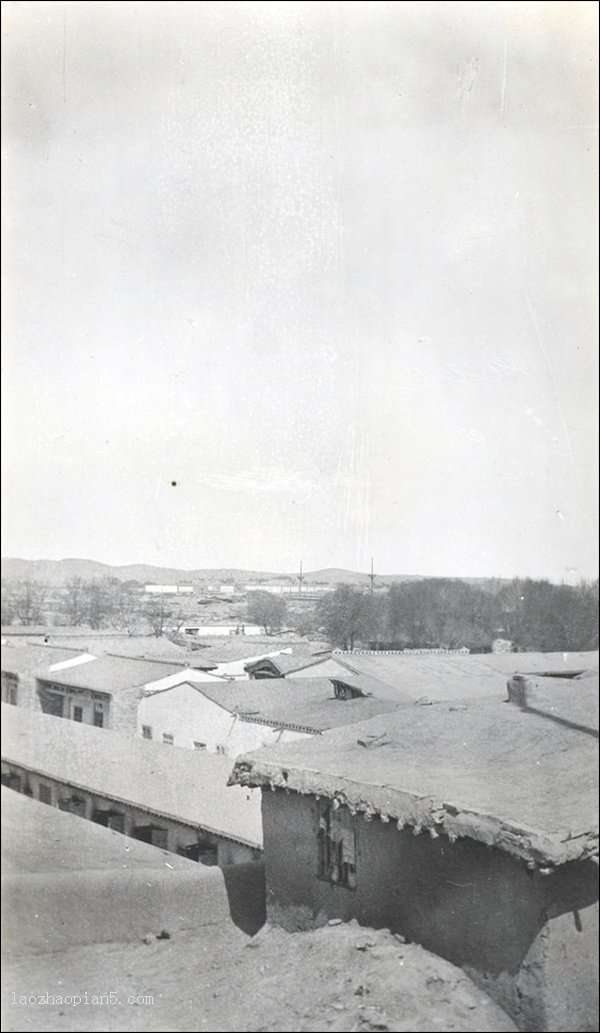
(195, 628)
(502, 645)
(468, 827)
(276, 589)
(291, 588)
(180, 589)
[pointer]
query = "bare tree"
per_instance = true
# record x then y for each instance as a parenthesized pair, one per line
(126, 606)
(97, 593)
(74, 601)
(26, 601)
(267, 610)
(8, 602)
(157, 614)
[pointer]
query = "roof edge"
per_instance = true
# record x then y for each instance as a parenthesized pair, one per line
(421, 813)
(123, 801)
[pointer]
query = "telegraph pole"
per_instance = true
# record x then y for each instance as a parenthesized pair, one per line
(300, 579)
(372, 577)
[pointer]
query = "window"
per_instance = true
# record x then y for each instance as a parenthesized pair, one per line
(146, 731)
(99, 715)
(10, 684)
(78, 713)
(168, 739)
(45, 794)
(337, 847)
(199, 745)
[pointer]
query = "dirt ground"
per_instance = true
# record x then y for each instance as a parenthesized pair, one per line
(340, 978)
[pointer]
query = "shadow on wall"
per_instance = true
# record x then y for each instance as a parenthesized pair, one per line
(246, 894)
(475, 906)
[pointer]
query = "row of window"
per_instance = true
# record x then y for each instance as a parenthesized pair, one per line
(169, 740)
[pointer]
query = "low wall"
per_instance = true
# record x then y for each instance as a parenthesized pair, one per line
(48, 912)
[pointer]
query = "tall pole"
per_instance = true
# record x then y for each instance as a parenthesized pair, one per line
(372, 577)
(300, 578)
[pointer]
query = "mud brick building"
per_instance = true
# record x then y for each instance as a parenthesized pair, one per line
(468, 827)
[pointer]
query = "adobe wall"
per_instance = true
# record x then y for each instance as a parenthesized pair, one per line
(559, 975)
(512, 929)
(53, 911)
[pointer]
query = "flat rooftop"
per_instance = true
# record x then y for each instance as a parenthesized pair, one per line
(305, 704)
(38, 838)
(115, 673)
(179, 784)
(449, 676)
(148, 647)
(522, 780)
(29, 658)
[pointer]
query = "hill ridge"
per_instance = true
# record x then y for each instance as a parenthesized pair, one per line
(58, 571)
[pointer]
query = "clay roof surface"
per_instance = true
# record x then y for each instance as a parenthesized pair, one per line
(242, 647)
(27, 659)
(448, 676)
(149, 646)
(305, 704)
(174, 783)
(38, 838)
(224, 650)
(112, 673)
(524, 780)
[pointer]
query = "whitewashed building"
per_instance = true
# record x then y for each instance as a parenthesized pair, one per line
(228, 719)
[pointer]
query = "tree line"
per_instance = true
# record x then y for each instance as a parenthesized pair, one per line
(445, 613)
(428, 613)
(451, 614)
(94, 603)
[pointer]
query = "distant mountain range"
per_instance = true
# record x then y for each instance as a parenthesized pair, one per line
(55, 572)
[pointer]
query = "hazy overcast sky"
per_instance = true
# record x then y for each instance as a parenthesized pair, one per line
(330, 267)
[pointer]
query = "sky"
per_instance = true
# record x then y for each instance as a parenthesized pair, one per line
(301, 281)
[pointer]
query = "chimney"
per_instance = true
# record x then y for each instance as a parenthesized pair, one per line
(517, 690)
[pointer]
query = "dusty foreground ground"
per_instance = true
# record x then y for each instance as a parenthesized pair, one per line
(342, 978)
